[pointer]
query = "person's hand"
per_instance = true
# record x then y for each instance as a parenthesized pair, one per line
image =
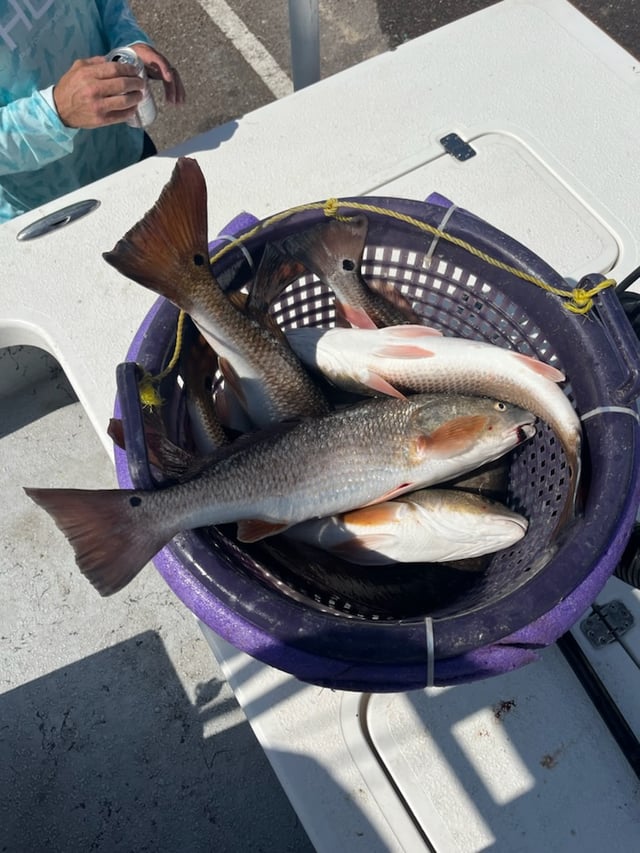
(158, 68)
(94, 93)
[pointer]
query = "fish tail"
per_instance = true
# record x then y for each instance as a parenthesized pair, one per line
(170, 237)
(573, 504)
(112, 539)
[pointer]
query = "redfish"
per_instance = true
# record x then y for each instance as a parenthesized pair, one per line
(408, 359)
(167, 252)
(363, 454)
(429, 525)
(333, 251)
(198, 367)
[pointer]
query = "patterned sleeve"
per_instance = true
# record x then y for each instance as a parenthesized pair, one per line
(32, 135)
(120, 24)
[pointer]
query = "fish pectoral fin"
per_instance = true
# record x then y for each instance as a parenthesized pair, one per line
(374, 515)
(541, 368)
(254, 529)
(453, 437)
(356, 317)
(377, 383)
(366, 550)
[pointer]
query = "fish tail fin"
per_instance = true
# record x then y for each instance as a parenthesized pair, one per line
(112, 540)
(276, 271)
(573, 505)
(169, 237)
(323, 246)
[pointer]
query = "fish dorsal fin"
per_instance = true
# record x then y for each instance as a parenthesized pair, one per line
(402, 351)
(541, 368)
(254, 529)
(412, 330)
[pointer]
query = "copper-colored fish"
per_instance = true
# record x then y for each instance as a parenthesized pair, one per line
(167, 251)
(198, 367)
(333, 252)
(364, 454)
(429, 525)
(410, 360)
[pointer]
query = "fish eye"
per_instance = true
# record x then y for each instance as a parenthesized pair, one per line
(198, 260)
(500, 407)
(348, 265)
(135, 500)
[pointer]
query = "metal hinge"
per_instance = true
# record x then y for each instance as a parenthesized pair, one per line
(607, 623)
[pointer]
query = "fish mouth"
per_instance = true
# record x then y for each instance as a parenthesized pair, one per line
(525, 431)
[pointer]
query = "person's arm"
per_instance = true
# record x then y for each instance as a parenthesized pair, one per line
(32, 135)
(40, 129)
(120, 25)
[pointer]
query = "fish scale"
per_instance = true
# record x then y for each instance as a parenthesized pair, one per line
(410, 359)
(167, 252)
(317, 467)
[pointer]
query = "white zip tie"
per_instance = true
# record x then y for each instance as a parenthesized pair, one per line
(230, 238)
(601, 410)
(428, 626)
(434, 242)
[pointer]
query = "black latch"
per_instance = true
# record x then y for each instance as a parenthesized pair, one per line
(457, 147)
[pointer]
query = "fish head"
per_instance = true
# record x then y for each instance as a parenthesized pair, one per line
(473, 524)
(474, 430)
(485, 521)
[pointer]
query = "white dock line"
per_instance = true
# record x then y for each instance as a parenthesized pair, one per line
(251, 49)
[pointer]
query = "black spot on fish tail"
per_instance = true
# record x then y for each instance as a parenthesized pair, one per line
(324, 248)
(111, 533)
(170, 238)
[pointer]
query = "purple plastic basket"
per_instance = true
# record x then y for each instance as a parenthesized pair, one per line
(530, 594)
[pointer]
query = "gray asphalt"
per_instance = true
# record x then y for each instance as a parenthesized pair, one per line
(221, 85)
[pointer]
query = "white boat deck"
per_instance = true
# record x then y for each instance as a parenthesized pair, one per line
(119, 729)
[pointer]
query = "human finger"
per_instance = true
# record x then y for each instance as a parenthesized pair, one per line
(158, 67)
(174, 92)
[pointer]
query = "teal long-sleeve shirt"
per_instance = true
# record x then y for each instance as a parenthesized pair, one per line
(41, 158)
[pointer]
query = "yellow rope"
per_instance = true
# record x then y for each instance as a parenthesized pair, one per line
(577, 300)
(148, 385)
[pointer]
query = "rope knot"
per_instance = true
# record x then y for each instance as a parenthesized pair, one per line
(582, 300)
(331, 207)
(149, 396)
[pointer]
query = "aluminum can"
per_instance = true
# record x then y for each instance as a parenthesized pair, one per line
(146, 112)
